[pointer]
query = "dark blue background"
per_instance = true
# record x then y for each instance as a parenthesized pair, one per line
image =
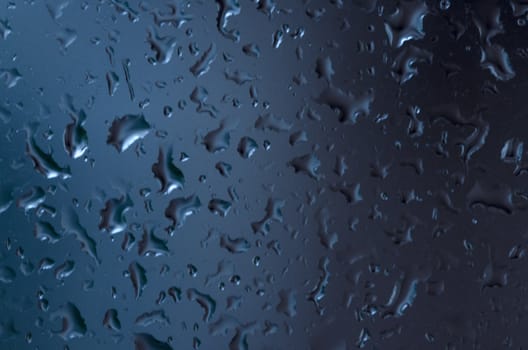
(300, 174)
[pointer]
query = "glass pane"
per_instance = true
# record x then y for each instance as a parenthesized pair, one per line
(262, 174)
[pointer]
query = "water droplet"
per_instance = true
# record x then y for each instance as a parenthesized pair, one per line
(127, 130)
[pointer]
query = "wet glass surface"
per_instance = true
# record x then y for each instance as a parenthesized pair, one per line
(262, 174)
